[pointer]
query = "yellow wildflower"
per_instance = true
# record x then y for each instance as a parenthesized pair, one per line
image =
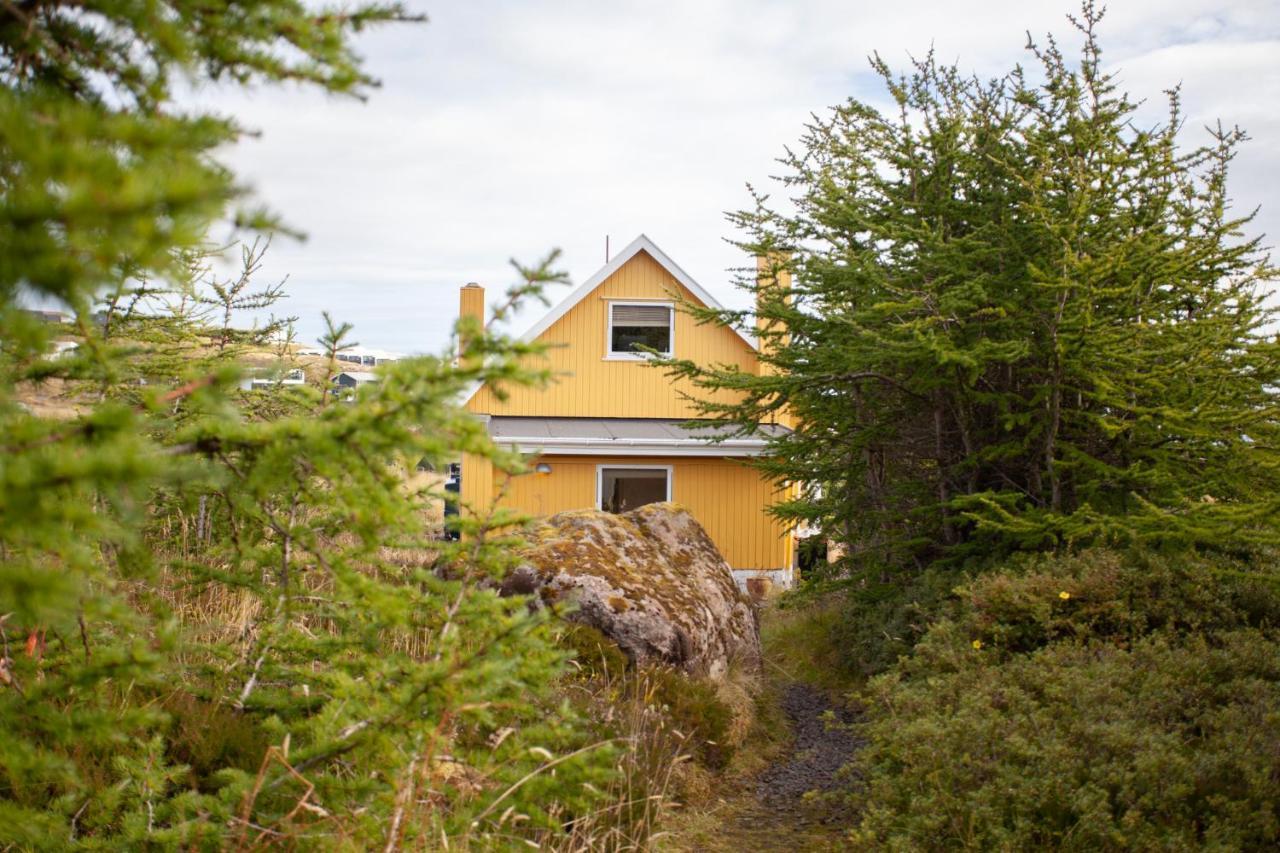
(977, 644)
(1064, 595)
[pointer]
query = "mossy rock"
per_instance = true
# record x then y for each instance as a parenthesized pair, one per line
(593, 652)
(650, 580)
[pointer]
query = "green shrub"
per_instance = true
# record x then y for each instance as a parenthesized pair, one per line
(885, 618)
(1092, 702)
(594, 654)
(1108, 595)
(695, 709)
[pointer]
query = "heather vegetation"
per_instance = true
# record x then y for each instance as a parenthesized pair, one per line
(1097, 701)
(1034, 375)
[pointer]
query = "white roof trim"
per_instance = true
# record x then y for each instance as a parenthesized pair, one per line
(639, 244)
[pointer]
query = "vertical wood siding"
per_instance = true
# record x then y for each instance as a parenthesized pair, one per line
(476, 492)
(587, 385)
(726, 496)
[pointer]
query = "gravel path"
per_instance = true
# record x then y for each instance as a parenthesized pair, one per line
(773, 815)
(818, 753)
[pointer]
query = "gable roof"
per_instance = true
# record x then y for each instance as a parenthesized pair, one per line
(357, 376)
(635, 247)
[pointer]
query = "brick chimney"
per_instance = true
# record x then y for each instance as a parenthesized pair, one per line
(470, 305)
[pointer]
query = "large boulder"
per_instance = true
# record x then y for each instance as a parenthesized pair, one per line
(650, 579)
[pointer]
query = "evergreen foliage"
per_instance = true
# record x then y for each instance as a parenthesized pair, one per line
(225, 616)
(1021, 327)
(1018, 320)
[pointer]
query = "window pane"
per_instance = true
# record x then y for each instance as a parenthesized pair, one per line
(623, 489)
(636, 326)
(631, 338)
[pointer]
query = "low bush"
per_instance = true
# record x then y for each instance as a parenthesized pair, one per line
(593, 654)
(1106, 595)
(1099, 702)
(696, 710)
(884, 617)
(207, 737)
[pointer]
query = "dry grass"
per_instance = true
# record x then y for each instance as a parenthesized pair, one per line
(55, 399)
(656, 775)
(221, 614)
(656, 770)
(61, 399)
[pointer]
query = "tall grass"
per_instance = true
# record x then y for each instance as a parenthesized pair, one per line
(663, 730)
(801, 643)
(627, 706)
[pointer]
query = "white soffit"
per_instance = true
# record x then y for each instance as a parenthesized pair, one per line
(623, 437)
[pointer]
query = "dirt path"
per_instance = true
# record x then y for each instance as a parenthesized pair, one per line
(771, 812)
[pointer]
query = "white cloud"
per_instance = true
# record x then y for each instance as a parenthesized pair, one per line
(506, 128)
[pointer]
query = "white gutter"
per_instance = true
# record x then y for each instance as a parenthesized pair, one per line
(631, 446)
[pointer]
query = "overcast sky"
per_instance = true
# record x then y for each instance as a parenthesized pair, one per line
(505, 128)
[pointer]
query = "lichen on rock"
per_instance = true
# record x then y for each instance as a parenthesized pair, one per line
(651, 580)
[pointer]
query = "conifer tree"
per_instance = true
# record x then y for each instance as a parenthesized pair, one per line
(229, 296)
(222, 625)
(1019, 319)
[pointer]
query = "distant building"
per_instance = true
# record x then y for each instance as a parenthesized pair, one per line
(364, 356)
(368, 356)
(49, 315)
(262, 380)
(354, 378)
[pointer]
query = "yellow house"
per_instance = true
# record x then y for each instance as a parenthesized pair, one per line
(609, 433)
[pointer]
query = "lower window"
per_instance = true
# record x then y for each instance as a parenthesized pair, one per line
(624, 488)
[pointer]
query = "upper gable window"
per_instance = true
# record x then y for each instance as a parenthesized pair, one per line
(636, 326)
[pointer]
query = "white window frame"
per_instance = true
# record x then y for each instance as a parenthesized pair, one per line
(669, 469)
(610, 355)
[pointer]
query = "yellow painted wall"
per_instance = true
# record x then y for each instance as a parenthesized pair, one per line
(726, 496)
(588, 385)
(476, 492)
